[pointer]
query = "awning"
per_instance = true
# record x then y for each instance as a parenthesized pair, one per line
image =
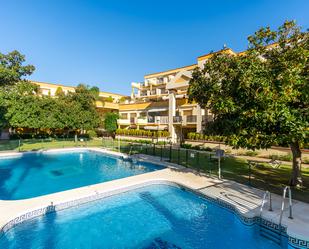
(155, 128)
(158, 110)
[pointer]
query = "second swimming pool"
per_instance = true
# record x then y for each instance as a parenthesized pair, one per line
(153, 217)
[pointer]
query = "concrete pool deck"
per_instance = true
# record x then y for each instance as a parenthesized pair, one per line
(245, 199)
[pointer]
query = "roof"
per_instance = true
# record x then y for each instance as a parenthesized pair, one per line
(46, 84)
(175, 70)
(222, 51)
(190, 67)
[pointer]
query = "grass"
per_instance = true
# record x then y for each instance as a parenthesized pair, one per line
(262, 177)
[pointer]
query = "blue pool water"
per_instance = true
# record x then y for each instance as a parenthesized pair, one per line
(153, 217)
(36, 174)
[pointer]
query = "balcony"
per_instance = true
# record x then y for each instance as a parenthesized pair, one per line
(191, 118)
(151, 119)
(162, 119)
(123, 121)
(142, 120)
(177, 119)
(158, 119)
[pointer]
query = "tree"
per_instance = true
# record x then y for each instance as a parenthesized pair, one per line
(110, 122)
(12, 71)
(59, 91)
(260, 97)
(22, 107)
(80, 108)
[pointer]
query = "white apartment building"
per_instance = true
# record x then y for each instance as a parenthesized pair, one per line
(161, 102)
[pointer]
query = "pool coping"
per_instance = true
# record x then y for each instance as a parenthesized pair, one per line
(172, 174)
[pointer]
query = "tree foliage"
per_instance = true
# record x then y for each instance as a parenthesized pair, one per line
(260, 97)
(22, 107)
(110, 121)
(12, 69)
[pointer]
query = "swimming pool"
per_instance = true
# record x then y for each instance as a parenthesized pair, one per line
(152, 217)
(35, 174)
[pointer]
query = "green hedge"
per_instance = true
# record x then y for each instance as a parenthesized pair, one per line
(198, 136)
(142, 133)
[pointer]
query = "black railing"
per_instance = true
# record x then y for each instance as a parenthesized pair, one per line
(151, 119)
(177, 119)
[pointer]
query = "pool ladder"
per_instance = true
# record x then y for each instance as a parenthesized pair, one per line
(266, 194)
(283, 204)
(264, 230)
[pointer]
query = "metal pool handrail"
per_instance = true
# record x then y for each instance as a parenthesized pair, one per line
(283, 204)
(267, 193)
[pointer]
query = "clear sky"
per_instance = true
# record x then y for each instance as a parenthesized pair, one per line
(112, 43)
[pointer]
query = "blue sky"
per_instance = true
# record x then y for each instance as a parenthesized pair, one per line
(112, 43)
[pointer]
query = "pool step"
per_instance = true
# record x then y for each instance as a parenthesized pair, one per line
(270, 234)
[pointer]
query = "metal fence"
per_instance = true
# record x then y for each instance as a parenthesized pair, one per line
(261, 176)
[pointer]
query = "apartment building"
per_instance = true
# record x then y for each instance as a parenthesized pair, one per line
(108, 102)
(161, 102)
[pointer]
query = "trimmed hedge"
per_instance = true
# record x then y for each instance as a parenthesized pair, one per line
(198, 136)
(142, 133)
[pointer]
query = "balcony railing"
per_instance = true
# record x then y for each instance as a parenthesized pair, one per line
(123, 121)
(191, 119)
(151, 119)
(177, 119)
(142, 120)
(162, 119)
(158, 119)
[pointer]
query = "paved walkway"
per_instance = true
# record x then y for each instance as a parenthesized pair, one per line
(246, 199)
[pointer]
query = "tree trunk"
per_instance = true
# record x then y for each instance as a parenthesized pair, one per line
(296, 179)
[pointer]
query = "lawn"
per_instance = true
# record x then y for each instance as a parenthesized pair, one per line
(262, 177)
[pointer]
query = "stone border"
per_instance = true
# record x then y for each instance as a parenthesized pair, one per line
(292, 240)
(99, 196)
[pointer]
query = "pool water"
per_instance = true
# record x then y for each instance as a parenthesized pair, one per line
(36, 174)
(153, 217)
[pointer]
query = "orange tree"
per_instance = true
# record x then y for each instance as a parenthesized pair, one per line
(260, 97)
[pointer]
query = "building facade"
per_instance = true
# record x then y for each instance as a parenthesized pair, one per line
(161, 102)
(107, 102)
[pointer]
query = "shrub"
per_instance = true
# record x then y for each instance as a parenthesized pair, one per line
(207, 149)
(199, 136)
(191, 135)
(196, 147)
(251, 153)
(287, 157)
(142, 133)
(186, 146)
(91, 133)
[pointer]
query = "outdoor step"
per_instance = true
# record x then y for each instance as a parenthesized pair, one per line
(270, 234)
